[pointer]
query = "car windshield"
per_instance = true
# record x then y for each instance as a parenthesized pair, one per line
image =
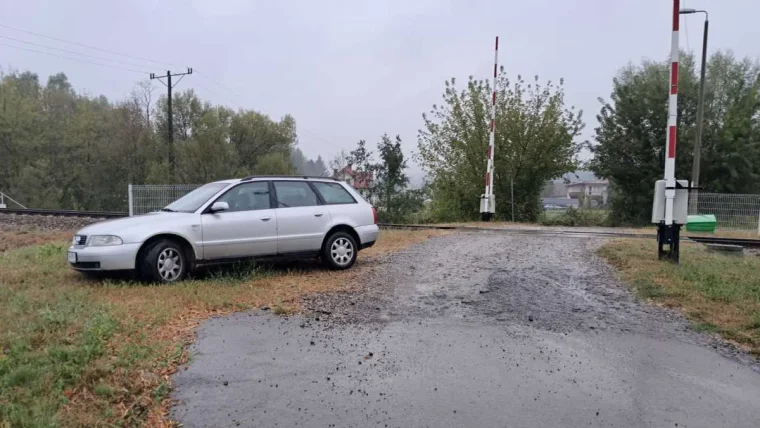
(193, 200)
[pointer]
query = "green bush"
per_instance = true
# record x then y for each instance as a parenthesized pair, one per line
(575, 217)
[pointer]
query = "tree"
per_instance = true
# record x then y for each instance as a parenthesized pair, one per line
(535, 142)
(390, 180)
(304, 166)
(255, 134)
(630, 139)
(339, 162)
(63, 149)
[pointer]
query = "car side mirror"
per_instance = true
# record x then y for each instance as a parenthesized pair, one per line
(220, 206)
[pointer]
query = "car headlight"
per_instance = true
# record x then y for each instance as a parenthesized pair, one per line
(104, 240)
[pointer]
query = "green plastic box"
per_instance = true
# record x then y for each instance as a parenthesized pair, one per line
(701, 223)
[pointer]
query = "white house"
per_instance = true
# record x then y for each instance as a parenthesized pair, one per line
(591, 192)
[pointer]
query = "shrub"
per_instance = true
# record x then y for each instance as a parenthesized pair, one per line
(576, 217)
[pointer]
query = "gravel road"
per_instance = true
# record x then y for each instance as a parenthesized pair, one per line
(470, 329)
(16, 222)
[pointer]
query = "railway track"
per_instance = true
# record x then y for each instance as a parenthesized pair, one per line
(64, 213)
(744, 242)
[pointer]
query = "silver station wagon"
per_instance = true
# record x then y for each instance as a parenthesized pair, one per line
(253, 217)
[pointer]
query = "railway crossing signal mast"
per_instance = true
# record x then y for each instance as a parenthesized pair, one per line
(487, 199)
(669, 209)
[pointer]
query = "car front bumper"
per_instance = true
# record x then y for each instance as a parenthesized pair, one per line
(367, 234)
(113, 257)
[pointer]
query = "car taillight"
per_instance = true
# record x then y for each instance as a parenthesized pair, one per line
(374, 215)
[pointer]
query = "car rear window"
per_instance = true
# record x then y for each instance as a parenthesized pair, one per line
(292, 194)
(333, 193)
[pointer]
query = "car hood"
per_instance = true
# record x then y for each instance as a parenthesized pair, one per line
(146, 223)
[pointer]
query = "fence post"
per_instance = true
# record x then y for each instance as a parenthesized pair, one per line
(131, 200)
(758, 223)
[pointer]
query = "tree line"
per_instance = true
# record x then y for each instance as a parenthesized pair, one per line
(629, 146)
(538, 138)
(63, 149)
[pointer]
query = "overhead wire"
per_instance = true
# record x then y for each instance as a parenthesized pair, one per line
(89, 46)
(75, 59)
(215, 82)
(686, 28)
(71, 52)
(229, 90)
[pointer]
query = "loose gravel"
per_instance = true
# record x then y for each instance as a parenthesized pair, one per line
(12, 222)
(470, 329)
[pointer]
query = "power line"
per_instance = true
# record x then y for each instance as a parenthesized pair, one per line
(170, 130)
(204, 75)
(74, 59)
(226, 88)
(72, 52)
(88, 46)
(236, 94)
(686, 28)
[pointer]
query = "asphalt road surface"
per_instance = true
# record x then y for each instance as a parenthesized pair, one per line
(470, 330)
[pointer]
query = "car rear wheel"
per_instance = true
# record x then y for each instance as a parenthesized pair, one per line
(164, 261)
(340, 250)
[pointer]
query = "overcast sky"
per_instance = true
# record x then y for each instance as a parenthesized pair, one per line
(351, 70)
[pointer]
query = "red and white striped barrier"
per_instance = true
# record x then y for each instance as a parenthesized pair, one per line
(670, 143)
(488, 201)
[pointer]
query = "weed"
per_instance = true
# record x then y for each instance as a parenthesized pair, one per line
(48, 250)
(103, 390)
(706, 327)
(719, 293)
(161, 391)
(279, 310)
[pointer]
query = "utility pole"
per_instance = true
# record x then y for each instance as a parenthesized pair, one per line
(170, 130)
(700, 107)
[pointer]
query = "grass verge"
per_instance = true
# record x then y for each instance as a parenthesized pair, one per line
(718, 293)
(10, 240)
(83, 352)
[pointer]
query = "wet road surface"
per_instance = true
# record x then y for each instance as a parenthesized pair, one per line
(477, 330)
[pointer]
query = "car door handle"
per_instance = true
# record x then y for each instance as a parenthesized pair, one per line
(266, 218)
(318, 214)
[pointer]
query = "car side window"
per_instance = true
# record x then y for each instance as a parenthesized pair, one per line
(248, 197)
(292, 194)
(333, 193)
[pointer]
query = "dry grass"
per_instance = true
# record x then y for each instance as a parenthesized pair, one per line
(10, 240)
(719, 293)
(79, 352)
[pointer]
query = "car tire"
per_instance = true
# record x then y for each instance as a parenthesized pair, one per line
(164, 261)
(340, 251)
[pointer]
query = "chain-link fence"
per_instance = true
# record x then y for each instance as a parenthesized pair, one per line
(145, 198)
(732, 212)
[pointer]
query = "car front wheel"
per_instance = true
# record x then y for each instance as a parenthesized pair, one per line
(164, 261)
(340, 250)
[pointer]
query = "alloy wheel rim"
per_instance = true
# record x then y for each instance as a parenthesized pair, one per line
(342, 251)
(169, 264)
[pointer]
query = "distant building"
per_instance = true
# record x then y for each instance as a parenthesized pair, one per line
(361, 181)
(589, 193)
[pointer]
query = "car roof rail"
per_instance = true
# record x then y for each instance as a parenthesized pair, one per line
(305, 177)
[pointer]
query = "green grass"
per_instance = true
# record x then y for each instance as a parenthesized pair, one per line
(82, 352)
(719, 293)
(65, 336)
